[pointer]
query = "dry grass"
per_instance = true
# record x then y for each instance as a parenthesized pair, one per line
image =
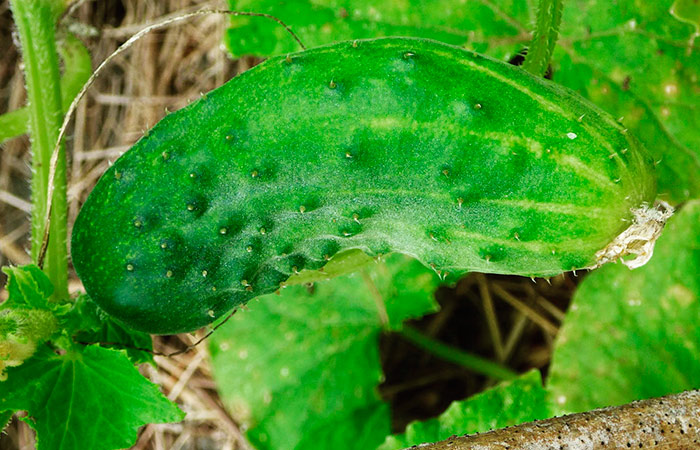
(507, 318)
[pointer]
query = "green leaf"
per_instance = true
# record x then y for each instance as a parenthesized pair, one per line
(507, 404)
(405, 287)
(687, 11)
(92, 399)
(77, 68)
(300, 370)
(28, 287)
(14, 123)
(634, 334)
(321, 22)
(638, 60)
(27, 317)
(5, 417)
(340, 264)
(635, 62)
(92, 325)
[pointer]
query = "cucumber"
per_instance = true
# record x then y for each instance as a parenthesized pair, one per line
(385, 145)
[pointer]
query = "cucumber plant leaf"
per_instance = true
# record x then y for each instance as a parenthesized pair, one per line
(92, 325)
(27, 317)
(300, 370)
(474, 24)
(634, 334)
(28, 287)
(5, 417)
(509, 403)
(637, 61)
(92, 399)
(405, 287)
(688, 11)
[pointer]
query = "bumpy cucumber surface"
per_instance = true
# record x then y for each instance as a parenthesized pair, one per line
(386, 145)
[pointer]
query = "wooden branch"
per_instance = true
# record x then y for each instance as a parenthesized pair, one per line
(670, 423)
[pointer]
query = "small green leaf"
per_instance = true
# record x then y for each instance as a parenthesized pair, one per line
(406, 288)
(14, 123)
(507, 404)
(28, 287)
(94, 399)
(27, 318)
(77, 68)
(342, 263)
(634, 334)
(92, 325)
(300, 370)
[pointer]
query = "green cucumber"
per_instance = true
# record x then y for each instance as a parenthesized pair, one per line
(386, 145)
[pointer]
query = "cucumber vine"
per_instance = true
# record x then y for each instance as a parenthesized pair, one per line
(36, 23)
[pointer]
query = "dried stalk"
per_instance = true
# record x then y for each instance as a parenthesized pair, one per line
(671, 423)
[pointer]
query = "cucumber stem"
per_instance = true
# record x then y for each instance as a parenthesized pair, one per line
(545, 37)
(77, 67)
(35, 21)
(454, 355)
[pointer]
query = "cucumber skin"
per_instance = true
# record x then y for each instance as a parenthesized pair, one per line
(385, 145)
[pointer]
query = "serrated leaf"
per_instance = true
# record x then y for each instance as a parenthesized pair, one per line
(92, 399)
(92, 325)
(634, 334)
(507, 404)
(27, 317)
(300, 370)
(638, 61)
(28, 287)
(5, 417)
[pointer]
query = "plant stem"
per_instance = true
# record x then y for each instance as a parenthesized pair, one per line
(471, 362)
(77, 68)
(35, 21)
(545, 37)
